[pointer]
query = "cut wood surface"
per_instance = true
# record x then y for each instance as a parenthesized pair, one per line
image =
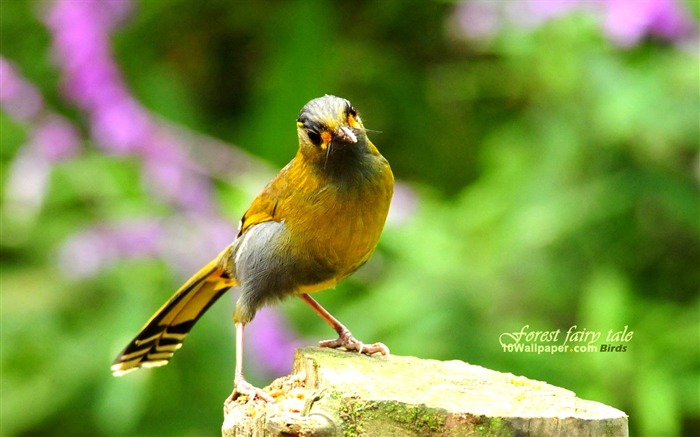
(338, 393)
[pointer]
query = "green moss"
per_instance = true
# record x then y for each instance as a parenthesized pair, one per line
(415, 417)
(419, 419)
(350, 418)
(493, 427)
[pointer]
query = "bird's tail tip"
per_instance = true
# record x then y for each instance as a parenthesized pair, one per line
(122, 368)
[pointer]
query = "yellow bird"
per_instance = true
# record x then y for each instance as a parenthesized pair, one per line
(313, 225)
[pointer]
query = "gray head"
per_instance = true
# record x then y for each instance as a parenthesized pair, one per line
(329, 120)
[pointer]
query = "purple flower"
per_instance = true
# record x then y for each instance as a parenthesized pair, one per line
(50, 135)
(134, 238)
(18, 98)
(625, 22)
(403, 205)
(270, 343)
(92, 80)
(191, 240)
(50, 138)
(86, 253)
(534, 13)
(169, 171)
(478, 19)
(55, 138)
(118, 122)
(121, 126)
(550, 9)
(628, 21)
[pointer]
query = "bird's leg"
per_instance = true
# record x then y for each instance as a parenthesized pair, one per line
(345, 338)
(240, 385)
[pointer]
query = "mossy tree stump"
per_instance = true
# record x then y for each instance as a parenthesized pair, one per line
(337, 393)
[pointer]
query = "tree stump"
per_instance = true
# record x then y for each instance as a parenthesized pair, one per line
(337, 393)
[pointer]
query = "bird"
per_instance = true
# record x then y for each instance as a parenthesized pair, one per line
(313, 225)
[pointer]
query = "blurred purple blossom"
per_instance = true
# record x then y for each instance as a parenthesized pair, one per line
(403, 205)
(50, 138)
(191, 240)
(628, 21)
(625, 22)
(18, 98)
(119, 124)
(55, 138)
(186, 242)
(51, 135)
(272, 344)
(86, 253)
(170, 174)
(550, 9)
(478, 19)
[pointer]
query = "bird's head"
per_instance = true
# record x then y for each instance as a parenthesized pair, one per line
(329, 126)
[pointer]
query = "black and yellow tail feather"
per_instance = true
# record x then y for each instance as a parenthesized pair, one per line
(164, 333)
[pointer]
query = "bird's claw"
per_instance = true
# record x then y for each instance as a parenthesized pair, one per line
(350, 343)
(244, 388)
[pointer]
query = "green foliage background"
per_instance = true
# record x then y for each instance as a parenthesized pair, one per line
(556, 178)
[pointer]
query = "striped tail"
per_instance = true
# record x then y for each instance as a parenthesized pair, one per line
(164, 333)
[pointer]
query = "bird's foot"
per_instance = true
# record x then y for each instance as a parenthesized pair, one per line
(244, 388)
(346, 340)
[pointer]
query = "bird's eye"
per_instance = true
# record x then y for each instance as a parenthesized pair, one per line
(353, 117)
(314, 136)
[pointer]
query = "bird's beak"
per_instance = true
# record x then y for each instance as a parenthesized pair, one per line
(345, 135)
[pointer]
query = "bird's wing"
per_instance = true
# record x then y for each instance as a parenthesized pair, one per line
(265, 207)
